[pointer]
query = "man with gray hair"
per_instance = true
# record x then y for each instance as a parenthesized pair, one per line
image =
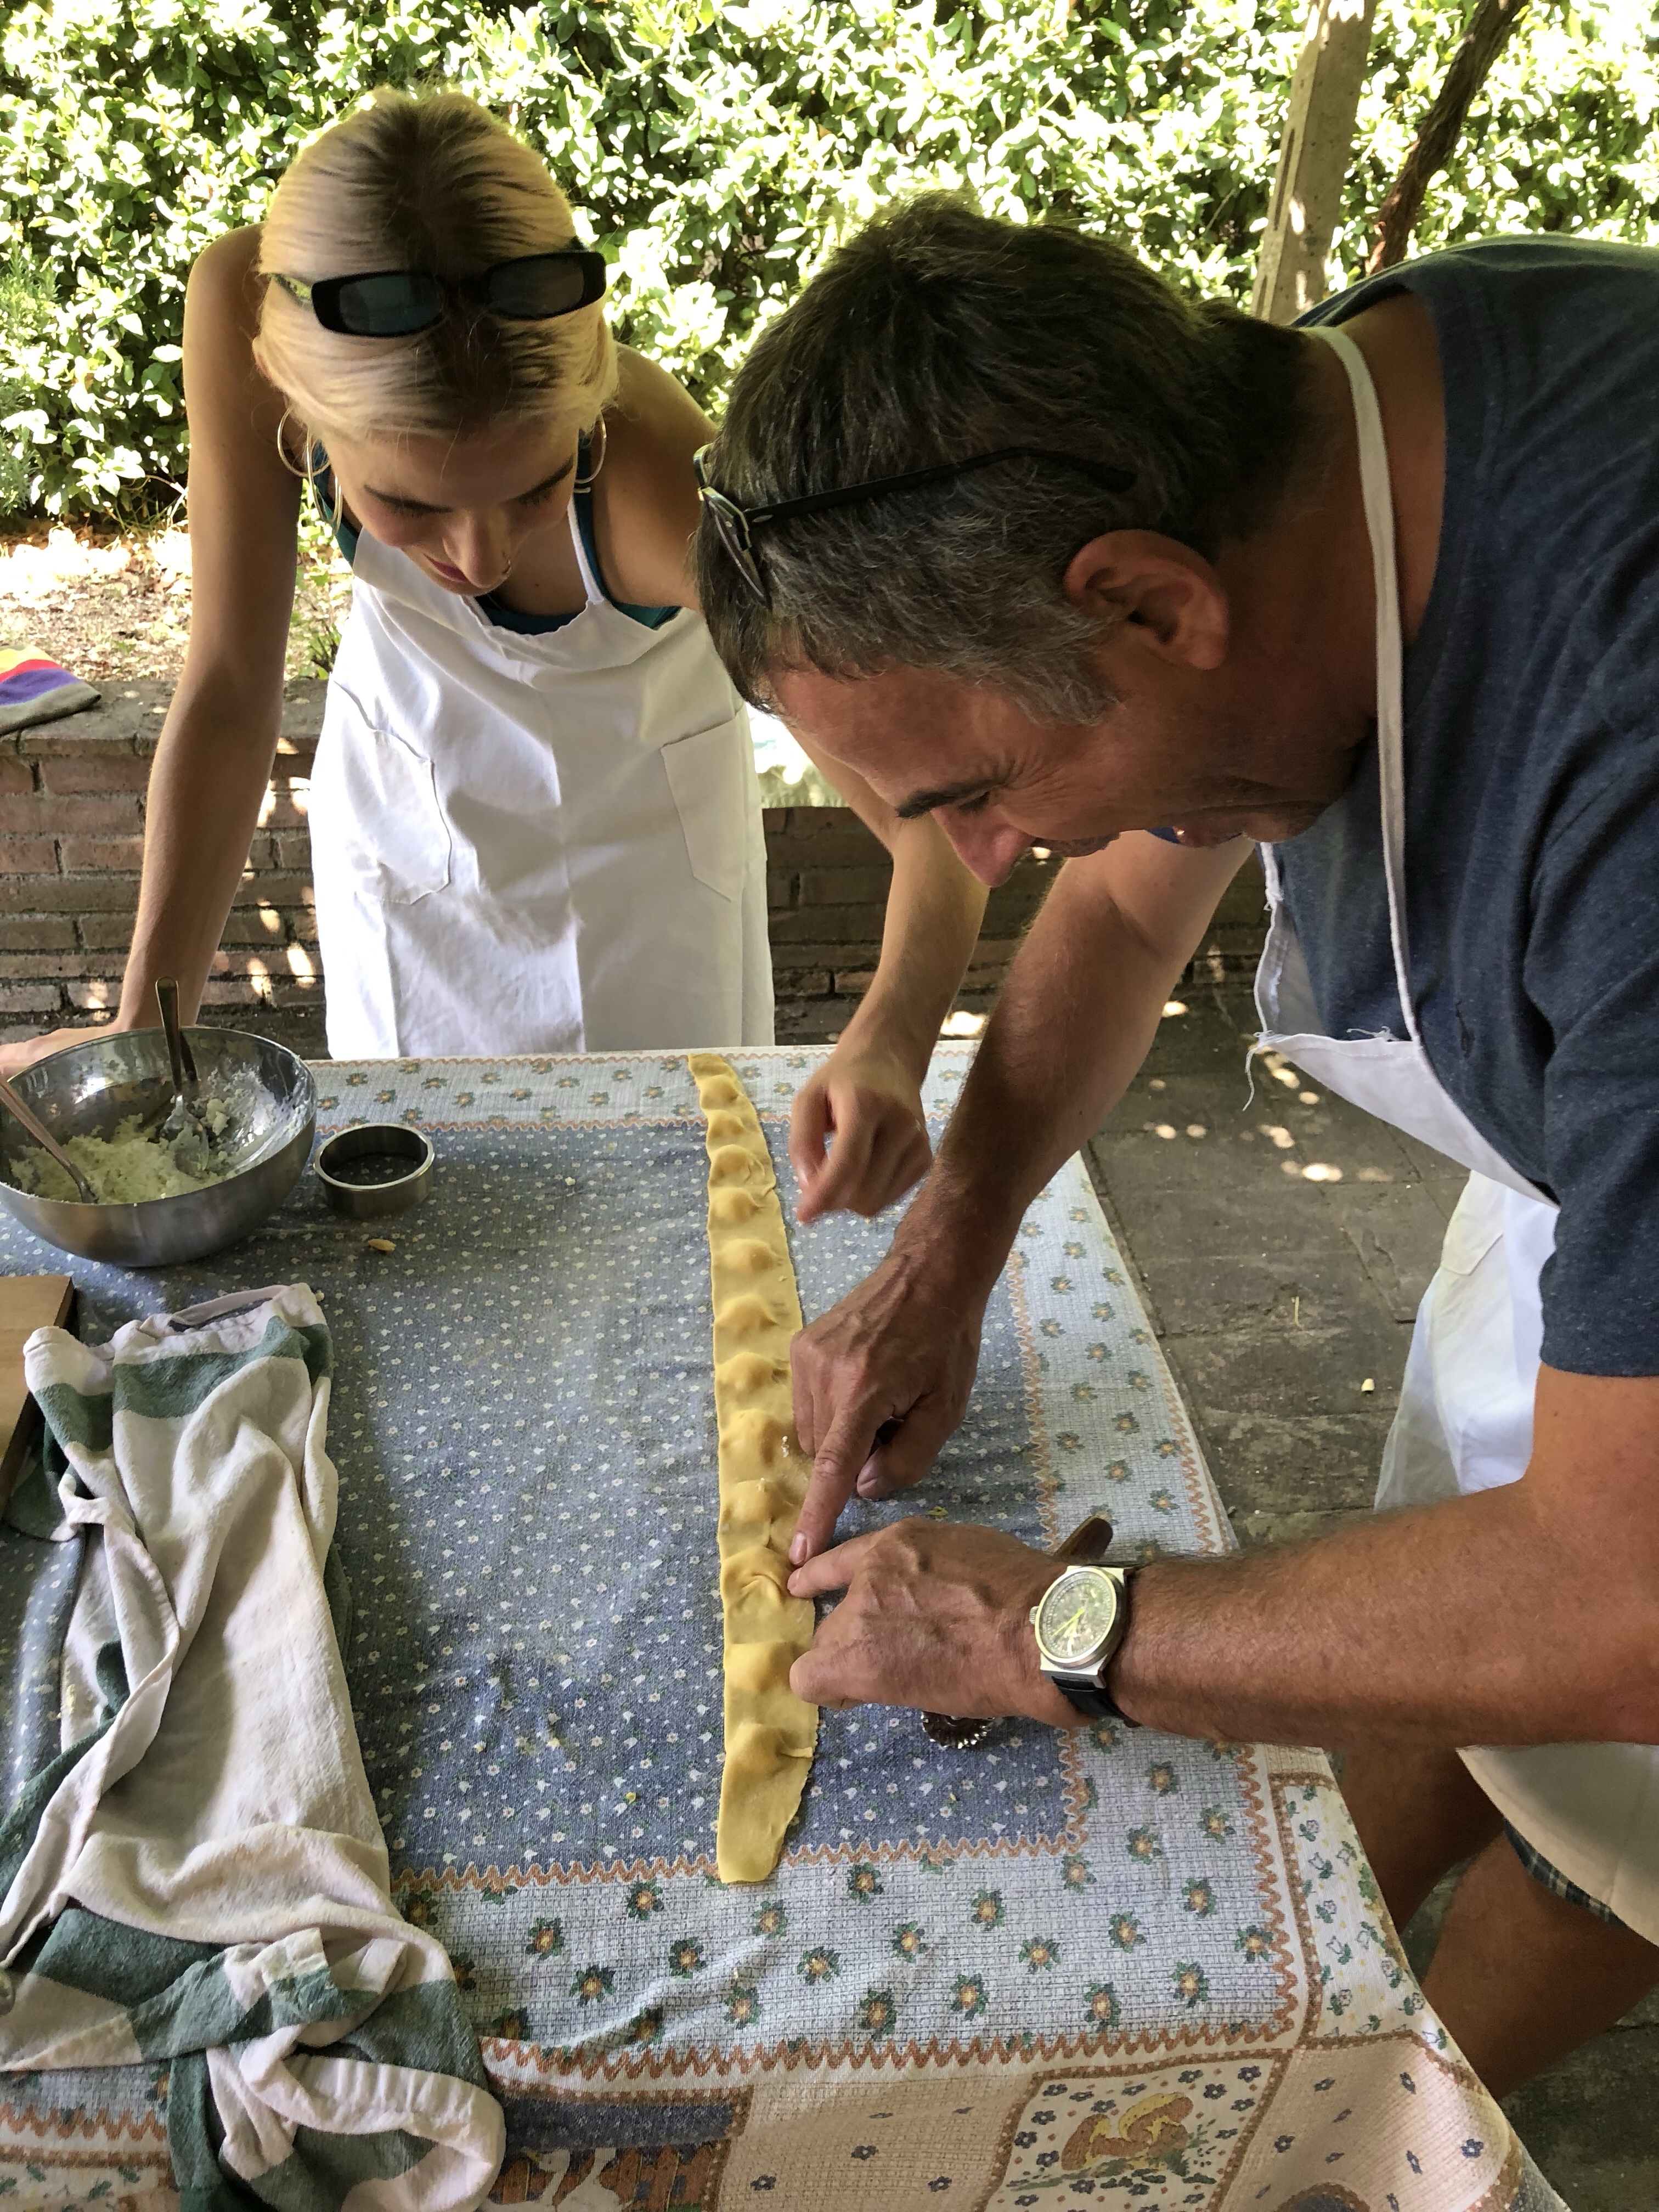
(1041, 548)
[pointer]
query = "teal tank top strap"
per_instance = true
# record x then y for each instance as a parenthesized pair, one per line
(582, 501)
(330, 505)
(332, 509)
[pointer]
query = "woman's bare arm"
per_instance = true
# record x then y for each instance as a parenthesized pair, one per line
(645, 497)
(867, 1095)
(213, 759)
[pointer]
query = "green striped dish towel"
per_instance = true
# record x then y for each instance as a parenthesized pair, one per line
(198, 1877)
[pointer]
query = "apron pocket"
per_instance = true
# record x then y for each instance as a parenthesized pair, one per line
(1476, 1224)
(711, 774)
(394, 826)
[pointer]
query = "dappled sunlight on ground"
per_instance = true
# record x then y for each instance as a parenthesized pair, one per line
(111, 604)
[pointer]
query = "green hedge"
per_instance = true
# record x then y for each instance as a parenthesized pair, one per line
(714, 153)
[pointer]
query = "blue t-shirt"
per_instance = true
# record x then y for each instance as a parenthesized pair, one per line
(1531, 768)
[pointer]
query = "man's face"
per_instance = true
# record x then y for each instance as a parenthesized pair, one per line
(1177, 752)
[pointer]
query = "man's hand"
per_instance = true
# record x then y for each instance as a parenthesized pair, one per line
(866, 1099)
(880, 1382)
(935, 1616)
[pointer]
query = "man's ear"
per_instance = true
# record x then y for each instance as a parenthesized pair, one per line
(1166, 597)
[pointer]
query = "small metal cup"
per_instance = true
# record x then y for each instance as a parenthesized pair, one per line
(392, 1141)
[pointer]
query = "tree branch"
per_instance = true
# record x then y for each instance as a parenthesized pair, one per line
(1482, 42)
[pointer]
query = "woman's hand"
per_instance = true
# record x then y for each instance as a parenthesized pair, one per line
(867, 1098)
(858, 1137)
(14, 1058)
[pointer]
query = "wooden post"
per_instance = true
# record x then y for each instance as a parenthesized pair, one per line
(1313, 160)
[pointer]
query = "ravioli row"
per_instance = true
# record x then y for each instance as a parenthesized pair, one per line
(771, 1733)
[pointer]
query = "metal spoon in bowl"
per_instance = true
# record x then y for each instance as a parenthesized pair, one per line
(184, 1127)
(48, 1144)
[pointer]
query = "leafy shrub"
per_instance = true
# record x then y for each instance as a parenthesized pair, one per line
(25, 306)
(715, 153)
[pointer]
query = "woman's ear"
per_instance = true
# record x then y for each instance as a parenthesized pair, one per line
(1170, 597)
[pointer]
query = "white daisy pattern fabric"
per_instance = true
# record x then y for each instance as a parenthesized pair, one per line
(1165, 1946)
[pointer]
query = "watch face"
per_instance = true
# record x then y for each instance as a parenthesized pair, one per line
(1076, 1616)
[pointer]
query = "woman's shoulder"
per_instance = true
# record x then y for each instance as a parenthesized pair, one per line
(221, 314)
(222, 324)
(653, 416)
(224, 276)
(647, 490)
(235, 412)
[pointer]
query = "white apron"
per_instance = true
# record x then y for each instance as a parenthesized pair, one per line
(1466, 1405)
(533, 844)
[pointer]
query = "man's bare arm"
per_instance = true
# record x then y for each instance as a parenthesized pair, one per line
(1073, 1025)
(858, 1137)
(1524, 1614)
(1075, 1022)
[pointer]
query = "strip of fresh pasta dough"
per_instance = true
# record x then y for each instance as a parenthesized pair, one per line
(769, 1731)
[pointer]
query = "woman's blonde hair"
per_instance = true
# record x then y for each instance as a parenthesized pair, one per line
(434, 184)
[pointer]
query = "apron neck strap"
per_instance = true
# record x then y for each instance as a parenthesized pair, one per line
(1390, 712)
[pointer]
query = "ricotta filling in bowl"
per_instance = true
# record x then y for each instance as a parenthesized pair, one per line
(134, 1165)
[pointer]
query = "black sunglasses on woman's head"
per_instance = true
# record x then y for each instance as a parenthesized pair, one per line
(397, 303)
(735, 525)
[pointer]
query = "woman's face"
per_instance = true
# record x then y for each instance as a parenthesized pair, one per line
(462, 508)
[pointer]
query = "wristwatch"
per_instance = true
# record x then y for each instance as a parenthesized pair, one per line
(1090, 1539)
(1080, 1620)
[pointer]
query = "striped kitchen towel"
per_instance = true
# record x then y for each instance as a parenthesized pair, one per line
(199, 1880)
(34, 689)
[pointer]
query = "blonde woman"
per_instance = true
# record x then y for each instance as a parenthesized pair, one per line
(534, 815)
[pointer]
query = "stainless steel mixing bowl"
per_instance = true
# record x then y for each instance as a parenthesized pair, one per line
(87, 1090)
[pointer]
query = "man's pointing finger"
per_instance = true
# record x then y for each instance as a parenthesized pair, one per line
(839, 1461)
(832, 1569)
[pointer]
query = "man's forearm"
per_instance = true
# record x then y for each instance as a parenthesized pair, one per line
(934, 908)
(1080, 1008)
(1449, 1623)
(211, 769)
(881, 1380)
(1515, 1616)
(1076, 1017)
(1523, 1614)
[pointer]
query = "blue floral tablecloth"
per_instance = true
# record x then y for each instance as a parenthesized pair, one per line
(1052, 1971)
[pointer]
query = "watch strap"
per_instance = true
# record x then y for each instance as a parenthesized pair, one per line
(1089, 1696)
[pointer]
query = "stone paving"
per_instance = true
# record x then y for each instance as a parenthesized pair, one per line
(1281, 1248)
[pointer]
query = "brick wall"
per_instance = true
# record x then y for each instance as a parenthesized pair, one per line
(71, 842)
(826, 886)
(71, 832)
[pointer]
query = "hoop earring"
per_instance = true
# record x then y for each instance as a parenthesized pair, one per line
(308, 472)
(305, 471)
(585, 482)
